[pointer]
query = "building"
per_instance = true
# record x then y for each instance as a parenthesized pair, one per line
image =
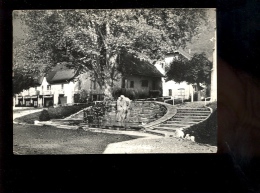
(170, 88)
(56, 87)
(62, 85)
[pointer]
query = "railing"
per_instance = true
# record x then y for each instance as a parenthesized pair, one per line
(206, 100)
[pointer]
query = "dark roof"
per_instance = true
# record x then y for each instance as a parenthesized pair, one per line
(131, 65)
(60, 73)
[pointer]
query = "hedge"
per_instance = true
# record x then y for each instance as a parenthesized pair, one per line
(54, 113)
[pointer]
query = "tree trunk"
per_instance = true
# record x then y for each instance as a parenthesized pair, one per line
(108, 91)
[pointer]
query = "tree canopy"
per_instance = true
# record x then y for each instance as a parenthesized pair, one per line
(93, 39)
(194, 71)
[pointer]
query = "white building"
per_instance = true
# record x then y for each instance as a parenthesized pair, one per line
(171, 88)
(59, 86)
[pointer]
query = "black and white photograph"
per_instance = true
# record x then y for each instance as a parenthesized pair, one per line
(114, 81)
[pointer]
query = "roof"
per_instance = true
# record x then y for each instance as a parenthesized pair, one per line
(183, 53)
(60, 73)
(135, 66)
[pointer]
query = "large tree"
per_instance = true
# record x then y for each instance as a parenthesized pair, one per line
(194, 71)
(93, 39)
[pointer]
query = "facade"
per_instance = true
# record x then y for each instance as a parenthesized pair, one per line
(170, 88)
(63, 86)
(141, 77)
(57, 87)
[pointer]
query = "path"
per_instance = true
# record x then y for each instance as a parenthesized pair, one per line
(158, 145)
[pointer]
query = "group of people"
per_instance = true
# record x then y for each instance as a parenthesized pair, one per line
(123, 109)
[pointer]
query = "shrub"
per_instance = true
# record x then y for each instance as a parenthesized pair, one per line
(83, 96)
(54, 113)
(143, 94)
(131, 94)
(44, 116)
(155, 93)
(116, 92)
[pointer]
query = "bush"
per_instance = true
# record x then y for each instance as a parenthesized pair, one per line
(154, 93)
(143, 94)
(83, 96)
(44, 116)
(206, 131)
(116, 92)
(54, 113)
(131, 94)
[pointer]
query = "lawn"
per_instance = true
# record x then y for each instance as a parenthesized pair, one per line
(206, 132)
(30, 139)
(55, 113)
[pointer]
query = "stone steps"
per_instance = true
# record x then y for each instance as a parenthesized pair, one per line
(192, 110)
(184, 122)
(192, 114)
(173, 125)
(191, 117)
(184, 117)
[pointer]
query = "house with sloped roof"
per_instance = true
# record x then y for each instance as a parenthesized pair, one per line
(56, 87)
(171, 88)
(62, 85)
(141, 76)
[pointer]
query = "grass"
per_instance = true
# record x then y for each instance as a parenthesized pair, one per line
(55, 113)
(206, 131)
(30, 139)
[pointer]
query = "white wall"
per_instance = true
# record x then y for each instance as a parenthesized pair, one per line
(160, 65)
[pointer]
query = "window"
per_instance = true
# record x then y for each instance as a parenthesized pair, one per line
(170, 92)
(181, 92)
(132, 84)
(48, 87)
(144, 83)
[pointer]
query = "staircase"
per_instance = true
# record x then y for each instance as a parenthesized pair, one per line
(185, 117)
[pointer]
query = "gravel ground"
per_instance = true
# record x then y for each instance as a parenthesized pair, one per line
(30, 139)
